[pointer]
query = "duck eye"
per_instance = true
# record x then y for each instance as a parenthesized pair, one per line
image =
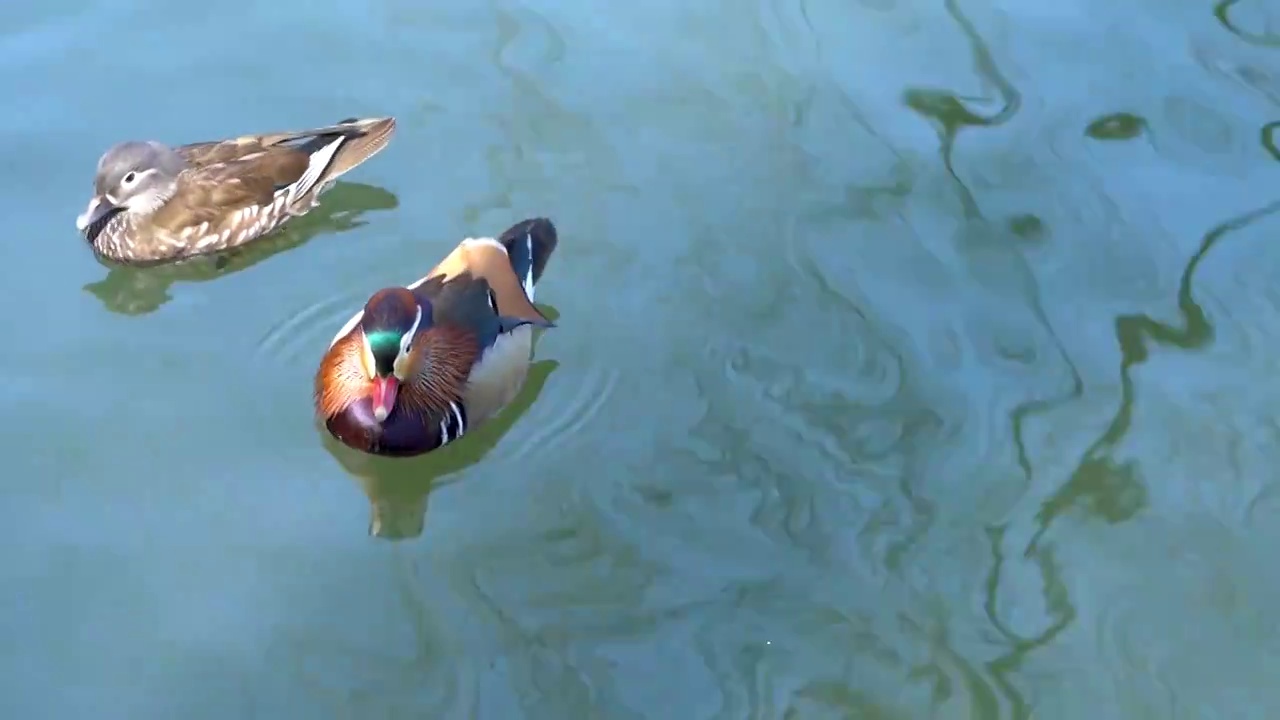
(129, 178)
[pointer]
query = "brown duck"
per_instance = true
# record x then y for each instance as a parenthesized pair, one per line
(153, 203)
(420, 365)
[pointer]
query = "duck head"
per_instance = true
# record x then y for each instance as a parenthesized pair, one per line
(392, 318)
(132, 176)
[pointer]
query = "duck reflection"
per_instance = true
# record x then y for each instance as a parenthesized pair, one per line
(397, 488)
(137, 290)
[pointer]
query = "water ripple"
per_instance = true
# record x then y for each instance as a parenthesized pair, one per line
(554, 424)
(303, 335)
(1117, 636)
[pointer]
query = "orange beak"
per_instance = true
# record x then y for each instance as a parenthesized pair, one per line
(384, 396)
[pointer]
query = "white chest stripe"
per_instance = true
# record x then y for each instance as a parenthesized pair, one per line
(453, 425)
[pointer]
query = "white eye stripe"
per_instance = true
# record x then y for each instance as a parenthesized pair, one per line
(407, 339)
(137, 176)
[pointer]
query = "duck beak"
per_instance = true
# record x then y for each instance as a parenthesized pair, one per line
(384, 396)
(99, 206)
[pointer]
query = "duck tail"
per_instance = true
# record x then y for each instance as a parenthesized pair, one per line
(361, 140)
(330, 152)
(529, 245)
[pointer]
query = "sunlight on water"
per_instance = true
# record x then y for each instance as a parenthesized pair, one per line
(913, 360)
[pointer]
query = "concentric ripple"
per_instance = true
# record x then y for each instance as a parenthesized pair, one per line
(554, 422)
(304, 335)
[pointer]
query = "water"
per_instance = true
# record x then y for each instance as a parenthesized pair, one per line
(916, 359)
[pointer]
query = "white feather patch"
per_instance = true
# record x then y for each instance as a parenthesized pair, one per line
(316, 166)
(528, 276)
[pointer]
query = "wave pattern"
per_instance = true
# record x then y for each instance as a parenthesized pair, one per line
(914, 359)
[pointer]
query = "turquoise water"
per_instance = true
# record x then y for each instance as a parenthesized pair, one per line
(914, 360)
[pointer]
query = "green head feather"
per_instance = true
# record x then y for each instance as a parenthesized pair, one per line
(385, 345)
(385, 341)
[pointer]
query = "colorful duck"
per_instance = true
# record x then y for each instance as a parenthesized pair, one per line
(422, 364)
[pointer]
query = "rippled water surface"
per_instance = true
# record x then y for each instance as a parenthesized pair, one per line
(915, 360)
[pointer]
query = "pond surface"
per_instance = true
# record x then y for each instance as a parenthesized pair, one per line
(914, 360)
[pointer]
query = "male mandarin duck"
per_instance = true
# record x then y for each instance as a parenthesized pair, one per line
(153, 203)
(422, 364)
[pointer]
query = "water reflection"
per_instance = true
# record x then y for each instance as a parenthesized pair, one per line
(138, 290)
(1116, 126)
(1114, 491)
(398, 488)
(950, 113)
(1223, 11)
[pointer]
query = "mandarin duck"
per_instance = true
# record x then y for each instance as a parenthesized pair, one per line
(153, 203)
(421, 365)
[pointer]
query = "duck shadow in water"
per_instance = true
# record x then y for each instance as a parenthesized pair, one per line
(398, 488)
(140, 289)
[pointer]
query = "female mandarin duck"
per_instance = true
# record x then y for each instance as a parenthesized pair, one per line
(422, 364)
(153, 203)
